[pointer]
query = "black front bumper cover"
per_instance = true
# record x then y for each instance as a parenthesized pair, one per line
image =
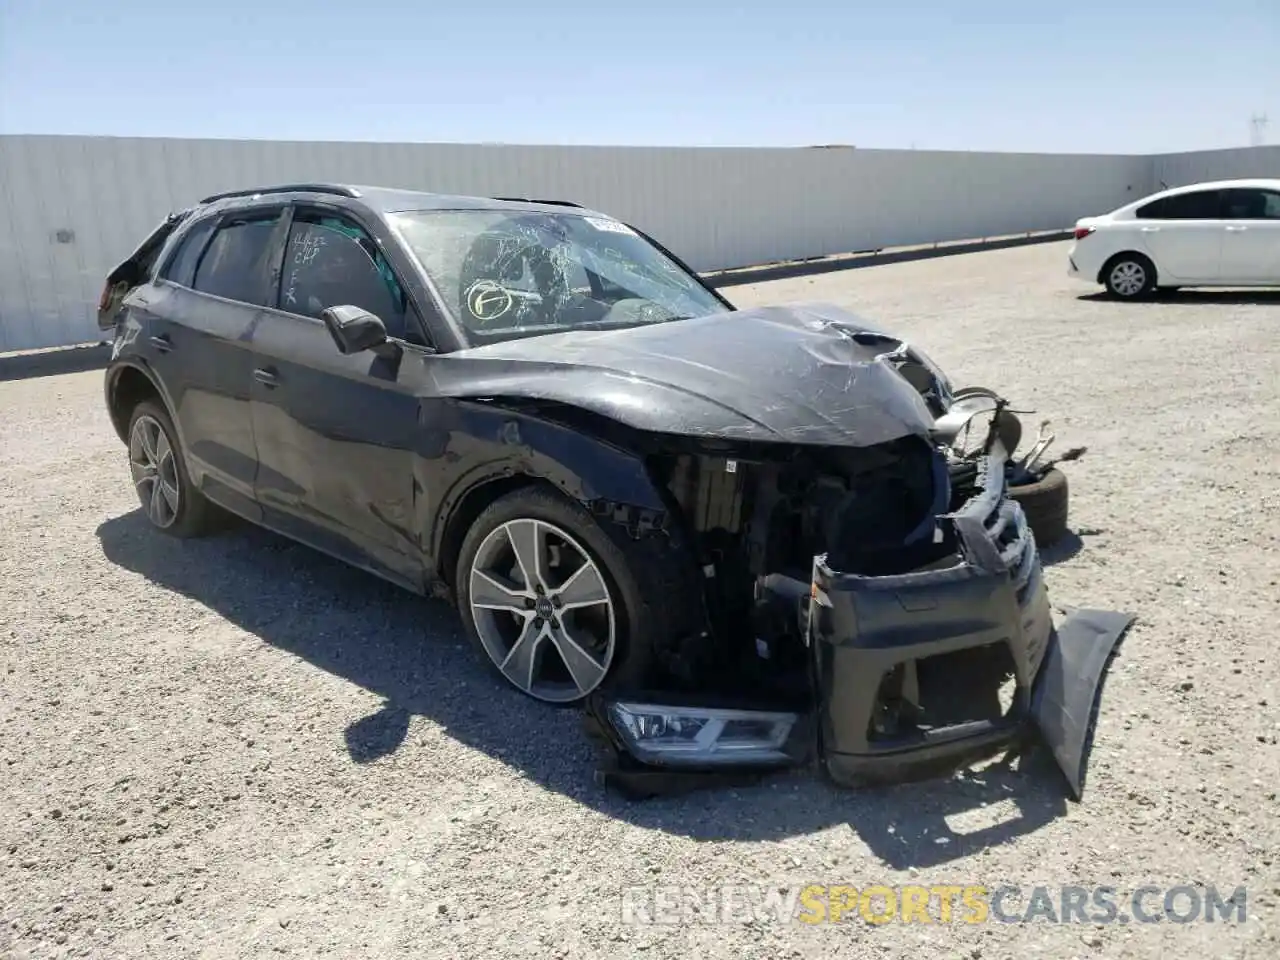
(862, 628)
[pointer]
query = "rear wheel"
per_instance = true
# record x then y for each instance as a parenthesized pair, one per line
(169, 499)
(552, 599)
(1129, 276)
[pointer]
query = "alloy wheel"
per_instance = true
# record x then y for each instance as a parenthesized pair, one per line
(543, 610)
(155, 471)
(1128, 278)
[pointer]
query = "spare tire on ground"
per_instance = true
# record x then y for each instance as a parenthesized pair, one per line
(1045, 504)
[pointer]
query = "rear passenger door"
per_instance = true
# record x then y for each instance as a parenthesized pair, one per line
(1183, 234)
(334, 433)
(211, 291)
(1251, 245)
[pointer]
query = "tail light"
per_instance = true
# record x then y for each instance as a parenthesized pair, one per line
(105, 298)
(1082, 232)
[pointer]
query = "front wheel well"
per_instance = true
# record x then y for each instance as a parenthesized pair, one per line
(464, 513)
(1126, 255)
(130, 388)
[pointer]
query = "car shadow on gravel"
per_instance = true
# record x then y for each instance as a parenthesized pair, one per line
(1199, 298)
(411, 652)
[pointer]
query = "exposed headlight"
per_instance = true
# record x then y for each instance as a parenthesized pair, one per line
(696, 735)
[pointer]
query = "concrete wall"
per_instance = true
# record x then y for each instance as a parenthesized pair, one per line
(71, 207)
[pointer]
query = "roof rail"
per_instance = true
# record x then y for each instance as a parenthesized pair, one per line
(332, 188)
(550, 203)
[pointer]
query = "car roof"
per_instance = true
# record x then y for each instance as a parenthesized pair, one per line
(1256, 183)
(1263, 183)
(386, 200)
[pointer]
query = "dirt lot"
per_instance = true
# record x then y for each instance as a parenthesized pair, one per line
(238, 748)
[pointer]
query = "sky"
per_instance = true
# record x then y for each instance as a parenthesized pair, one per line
(1080, 76)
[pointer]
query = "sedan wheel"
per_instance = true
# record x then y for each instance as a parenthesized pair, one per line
(543, 610)
(155, 471)
(1129, 279)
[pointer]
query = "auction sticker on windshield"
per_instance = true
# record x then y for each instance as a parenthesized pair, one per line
(609, 226)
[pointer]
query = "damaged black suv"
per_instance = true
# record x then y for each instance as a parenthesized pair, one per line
(742, 537)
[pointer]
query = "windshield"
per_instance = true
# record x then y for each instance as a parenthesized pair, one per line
(512, 273)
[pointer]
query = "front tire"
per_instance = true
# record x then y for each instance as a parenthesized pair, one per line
(553, 600)
(170, 501)
(1129, 276)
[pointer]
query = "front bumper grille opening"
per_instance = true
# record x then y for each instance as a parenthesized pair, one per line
(927, 696)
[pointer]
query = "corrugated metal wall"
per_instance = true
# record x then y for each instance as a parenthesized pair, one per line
(71, 207)
(1178, 169)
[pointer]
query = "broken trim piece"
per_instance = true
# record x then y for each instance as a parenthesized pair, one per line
(1063, 701)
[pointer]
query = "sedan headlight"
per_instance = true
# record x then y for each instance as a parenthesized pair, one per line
(691, 736)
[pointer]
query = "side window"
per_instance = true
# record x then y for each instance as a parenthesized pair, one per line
(1201, 205)
(1251, 205)
(330, 262)
(181, 267)
(1152, 211)
(232, 266)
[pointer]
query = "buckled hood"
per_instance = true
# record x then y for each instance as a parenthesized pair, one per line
(807, 374)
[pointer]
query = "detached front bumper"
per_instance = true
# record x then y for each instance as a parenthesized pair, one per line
(972, 622)
(911, 674)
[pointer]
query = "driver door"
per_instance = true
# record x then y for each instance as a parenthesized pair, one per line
(335, 433)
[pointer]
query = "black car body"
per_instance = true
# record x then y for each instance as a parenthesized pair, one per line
(738, 530)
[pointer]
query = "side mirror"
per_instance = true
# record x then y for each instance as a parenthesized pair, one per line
(354, 329)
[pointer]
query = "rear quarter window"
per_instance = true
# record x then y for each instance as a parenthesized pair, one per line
(181, 266)
(1200, 205)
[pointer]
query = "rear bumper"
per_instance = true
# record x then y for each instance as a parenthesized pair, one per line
(1082, 264)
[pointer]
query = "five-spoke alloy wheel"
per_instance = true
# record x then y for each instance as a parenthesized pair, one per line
(542, 610)
(559, 603)
(169, 499)
(155, 471)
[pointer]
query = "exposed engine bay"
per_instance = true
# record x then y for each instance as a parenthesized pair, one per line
(757, 521)
(758, 514)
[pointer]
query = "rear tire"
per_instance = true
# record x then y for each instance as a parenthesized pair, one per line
(1129, 276)
(1045, 504)
(170, 501)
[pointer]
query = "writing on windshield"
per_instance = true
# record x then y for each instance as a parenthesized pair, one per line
(505, 273)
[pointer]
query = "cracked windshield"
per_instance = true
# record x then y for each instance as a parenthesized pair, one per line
(506, 275)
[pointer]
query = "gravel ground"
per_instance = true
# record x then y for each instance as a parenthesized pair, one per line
(238, 748)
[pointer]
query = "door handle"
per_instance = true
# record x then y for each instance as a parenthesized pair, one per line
(266, 377)
(1236, 229)
(1150, 229)
(162, 343)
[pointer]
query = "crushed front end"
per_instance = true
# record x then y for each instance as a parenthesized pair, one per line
(933, 666)
(867, 615)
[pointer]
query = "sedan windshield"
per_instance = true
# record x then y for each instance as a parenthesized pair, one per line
(508, 273)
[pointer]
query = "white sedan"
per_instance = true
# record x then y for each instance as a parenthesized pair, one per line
(1222, 234)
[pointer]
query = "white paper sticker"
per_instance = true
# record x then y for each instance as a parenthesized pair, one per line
(609, 226)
